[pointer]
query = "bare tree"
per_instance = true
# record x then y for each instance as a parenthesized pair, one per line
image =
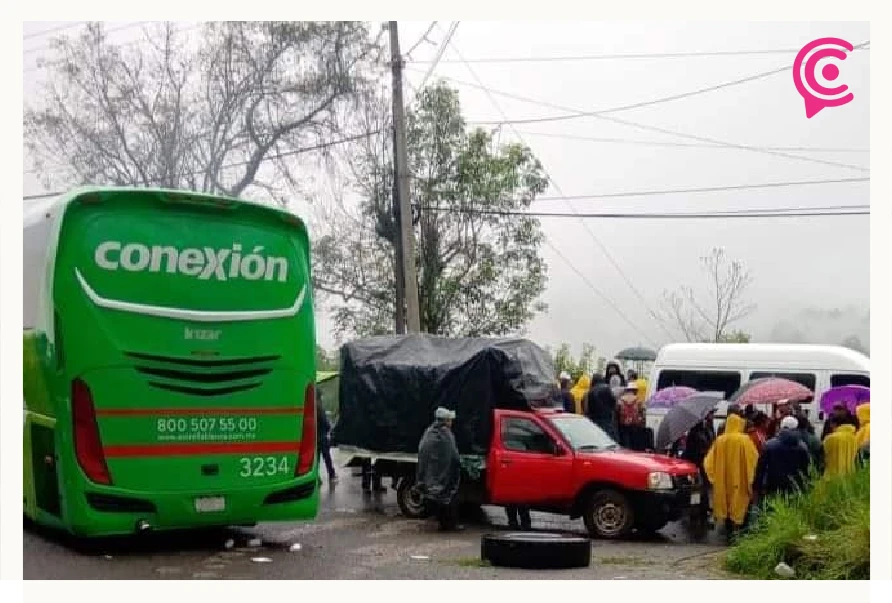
(708, 318)
(219, 110)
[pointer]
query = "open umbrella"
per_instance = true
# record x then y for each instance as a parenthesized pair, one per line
(637, 354)
(770, 390)
(684, 415)
(669, 396)
(849, 395)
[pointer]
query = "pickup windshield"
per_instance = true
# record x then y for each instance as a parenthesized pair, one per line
(582, 434)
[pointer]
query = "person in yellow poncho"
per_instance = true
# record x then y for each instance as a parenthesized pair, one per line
(863, 434)
(579, 391)
(839, 448)
(730, 466)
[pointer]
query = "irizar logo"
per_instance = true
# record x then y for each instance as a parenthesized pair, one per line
(202, 334)
(204, 263)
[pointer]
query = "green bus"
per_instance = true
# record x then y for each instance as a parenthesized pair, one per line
(170, 368)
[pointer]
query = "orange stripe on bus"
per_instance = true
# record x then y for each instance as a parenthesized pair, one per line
(147, 412)
(153, 450)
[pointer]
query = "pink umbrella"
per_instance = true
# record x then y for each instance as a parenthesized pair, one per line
(771, 390)
(848, 395)
(669, 396)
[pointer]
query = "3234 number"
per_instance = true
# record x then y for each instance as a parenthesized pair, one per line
(263, 466)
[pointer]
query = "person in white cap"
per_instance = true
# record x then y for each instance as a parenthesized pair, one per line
(439, 469)
(566, 397)
(783, 464)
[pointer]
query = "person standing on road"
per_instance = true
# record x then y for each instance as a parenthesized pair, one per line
(439, 469)
(862, 436)
(566, 397)
(519, 517)
(783, 465)
(730, 466)
(811, 441)
(757, 430)
(839, 448)
(323, 444)
(600, 406)
(733, 409)
(697, 444)
(840, 413)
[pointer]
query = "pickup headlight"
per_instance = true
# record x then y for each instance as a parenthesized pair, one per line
(659, 481)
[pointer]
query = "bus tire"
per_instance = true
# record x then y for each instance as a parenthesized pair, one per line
(536, 550)
(608, 514)
(410, 503)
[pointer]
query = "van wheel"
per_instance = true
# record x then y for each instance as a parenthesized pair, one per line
(410, 502)
(608, 514)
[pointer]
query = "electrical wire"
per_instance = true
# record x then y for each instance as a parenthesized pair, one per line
(622, 56)
(423, 38)
(594, 238)
(852, 210)
(638, 125)
(439, 54)
(52, 30)
(695, 145)
(107, 31)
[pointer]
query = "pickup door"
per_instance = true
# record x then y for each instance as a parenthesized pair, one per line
(528, 463)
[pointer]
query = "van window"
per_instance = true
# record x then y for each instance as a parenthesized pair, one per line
(807, 379)
(726, 382)
(839, 379)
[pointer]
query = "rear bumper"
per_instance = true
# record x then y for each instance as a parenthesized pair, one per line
(109, 511)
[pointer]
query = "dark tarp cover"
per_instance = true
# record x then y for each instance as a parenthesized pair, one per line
(391, 386)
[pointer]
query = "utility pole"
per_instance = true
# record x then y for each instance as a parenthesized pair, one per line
(400, 305)
(400, 162)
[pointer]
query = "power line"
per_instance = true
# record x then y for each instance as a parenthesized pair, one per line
(594, 238)
(659, 143)
(702, 189)
(601, 57)
(52, 30)
(597, 291)
(657, 101)
(107, 31)
(856, 210)
(439, 54)
(316, 147)
(423, 38)
(626, 122)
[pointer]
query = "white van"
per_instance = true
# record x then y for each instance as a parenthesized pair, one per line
(724, 367)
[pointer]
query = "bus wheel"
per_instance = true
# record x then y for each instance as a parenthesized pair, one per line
(410, 502)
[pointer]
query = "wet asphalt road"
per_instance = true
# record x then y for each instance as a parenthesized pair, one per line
(356, 536)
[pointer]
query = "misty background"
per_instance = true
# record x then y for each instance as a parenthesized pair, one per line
(810, 275)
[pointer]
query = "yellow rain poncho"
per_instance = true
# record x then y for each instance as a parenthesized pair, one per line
(578, 392)
(840, 451)
(730, 466)
(863, 435)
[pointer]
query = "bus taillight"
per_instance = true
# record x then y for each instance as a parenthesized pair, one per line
(87, 445)
(307, 454)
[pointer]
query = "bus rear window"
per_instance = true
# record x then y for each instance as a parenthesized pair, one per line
(838, 379)
(809, 380)
(727, 382)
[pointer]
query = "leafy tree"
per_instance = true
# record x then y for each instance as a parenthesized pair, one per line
(479, 270)
(708, 317)
(220, 110)
(584, 365)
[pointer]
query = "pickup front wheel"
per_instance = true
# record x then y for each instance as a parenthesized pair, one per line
(608, 514)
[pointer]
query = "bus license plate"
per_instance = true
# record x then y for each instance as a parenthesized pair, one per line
(695, 498)
(210, 504)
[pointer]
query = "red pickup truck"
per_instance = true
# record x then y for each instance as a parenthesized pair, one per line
(563, 463)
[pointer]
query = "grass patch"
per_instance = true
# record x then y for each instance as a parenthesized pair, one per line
(624, 560)
(822, 533)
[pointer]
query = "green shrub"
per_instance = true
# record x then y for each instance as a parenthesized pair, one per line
(823, 532)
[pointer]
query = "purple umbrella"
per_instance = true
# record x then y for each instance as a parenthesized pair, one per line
(849, 395)
(669, 396)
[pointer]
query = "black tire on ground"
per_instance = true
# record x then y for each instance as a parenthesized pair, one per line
(411, 505)
(608, 514)
(533, 550)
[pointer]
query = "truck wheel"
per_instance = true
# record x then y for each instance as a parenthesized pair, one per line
(608, 515)
(532, 550)
(410, 503)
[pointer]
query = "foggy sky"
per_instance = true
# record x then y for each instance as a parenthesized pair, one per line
(800, 266)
